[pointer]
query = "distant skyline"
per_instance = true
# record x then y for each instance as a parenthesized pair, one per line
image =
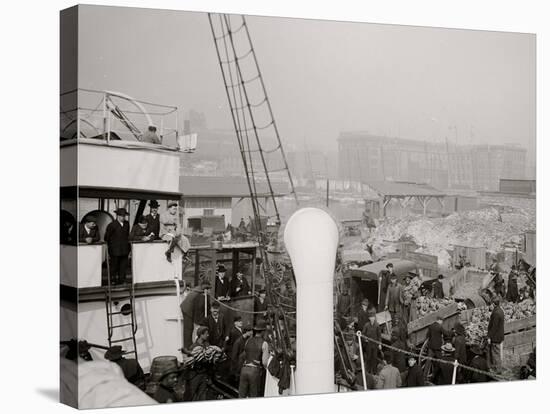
(324, 77)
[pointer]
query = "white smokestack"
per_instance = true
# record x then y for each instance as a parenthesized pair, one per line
(311, 239)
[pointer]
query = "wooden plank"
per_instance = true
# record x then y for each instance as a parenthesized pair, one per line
(520, 324)
(520, 338)
(427, 320)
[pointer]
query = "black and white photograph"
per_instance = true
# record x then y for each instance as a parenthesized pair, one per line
(256, 207)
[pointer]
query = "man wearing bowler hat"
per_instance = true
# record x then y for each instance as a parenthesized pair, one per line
(117, 238)
(153, 219)
(221, 286)
(239, 285)
(88, 232)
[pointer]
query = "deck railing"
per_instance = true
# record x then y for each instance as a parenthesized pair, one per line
(109, 115)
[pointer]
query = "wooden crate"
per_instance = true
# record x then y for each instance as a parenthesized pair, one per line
(418, 328)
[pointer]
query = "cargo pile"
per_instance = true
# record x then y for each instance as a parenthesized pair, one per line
(488, 227)
(426, 305)
(476, 330)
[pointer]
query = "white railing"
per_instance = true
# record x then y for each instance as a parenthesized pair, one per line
(109, 115)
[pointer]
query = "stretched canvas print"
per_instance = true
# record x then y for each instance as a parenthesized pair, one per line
(260, 207)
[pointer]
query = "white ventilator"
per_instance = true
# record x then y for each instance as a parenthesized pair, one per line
(311, 239)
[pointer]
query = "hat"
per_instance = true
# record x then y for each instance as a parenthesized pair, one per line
(237, 318)
(393, 276)
(114, 353)
(89, 219)
(142, 220)
(247, 328)
(389, 265)
(412, 273)
(371, 311)
(172, 203)
(154, 204)
(220, 268)
(448, 347)
(171, 370)
(121, 212)
(260, 325)
(440, 276)
(476, 349)
(365, 302)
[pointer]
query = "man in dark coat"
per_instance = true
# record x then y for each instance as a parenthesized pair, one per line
(399, 359)
(383, 284)
(478, 362)
(394, 298)
(512, 294)
(435, 342)
(239, 285)
(343, 307)
(437, 288)
(256, 354)
(443, 374)
(117, 238)
(130, 367)
(221, 285)
(153, 219)
(415, 376)
(237, 353)
(139, 231)
(88, 232)
(495, 335)
(363, 314)
(216, 326)
(260, 305)
(459, 342)
(498, 283)
(372, 330)
(234, 333)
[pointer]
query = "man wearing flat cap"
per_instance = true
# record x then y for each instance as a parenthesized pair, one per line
(153, 219)
(88, 232)
(117, 238)
(139, 231)
(171, 233)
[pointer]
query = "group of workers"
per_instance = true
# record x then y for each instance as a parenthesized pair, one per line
(248, 347)
(150, 227)
(382, 366)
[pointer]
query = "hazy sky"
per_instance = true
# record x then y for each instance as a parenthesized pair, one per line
(324, 77)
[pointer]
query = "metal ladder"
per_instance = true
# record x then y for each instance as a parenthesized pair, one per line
(113, 296)
(249, 103)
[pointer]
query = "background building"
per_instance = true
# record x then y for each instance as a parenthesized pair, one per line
(366, 157)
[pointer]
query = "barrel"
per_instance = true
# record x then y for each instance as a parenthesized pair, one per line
(474, 301)
(161, 364)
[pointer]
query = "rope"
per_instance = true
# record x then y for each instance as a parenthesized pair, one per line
(440, 361)
(222, 303)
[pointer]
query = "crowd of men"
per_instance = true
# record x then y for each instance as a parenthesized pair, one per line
(393, 367)
(248, 348)
(150, 227)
